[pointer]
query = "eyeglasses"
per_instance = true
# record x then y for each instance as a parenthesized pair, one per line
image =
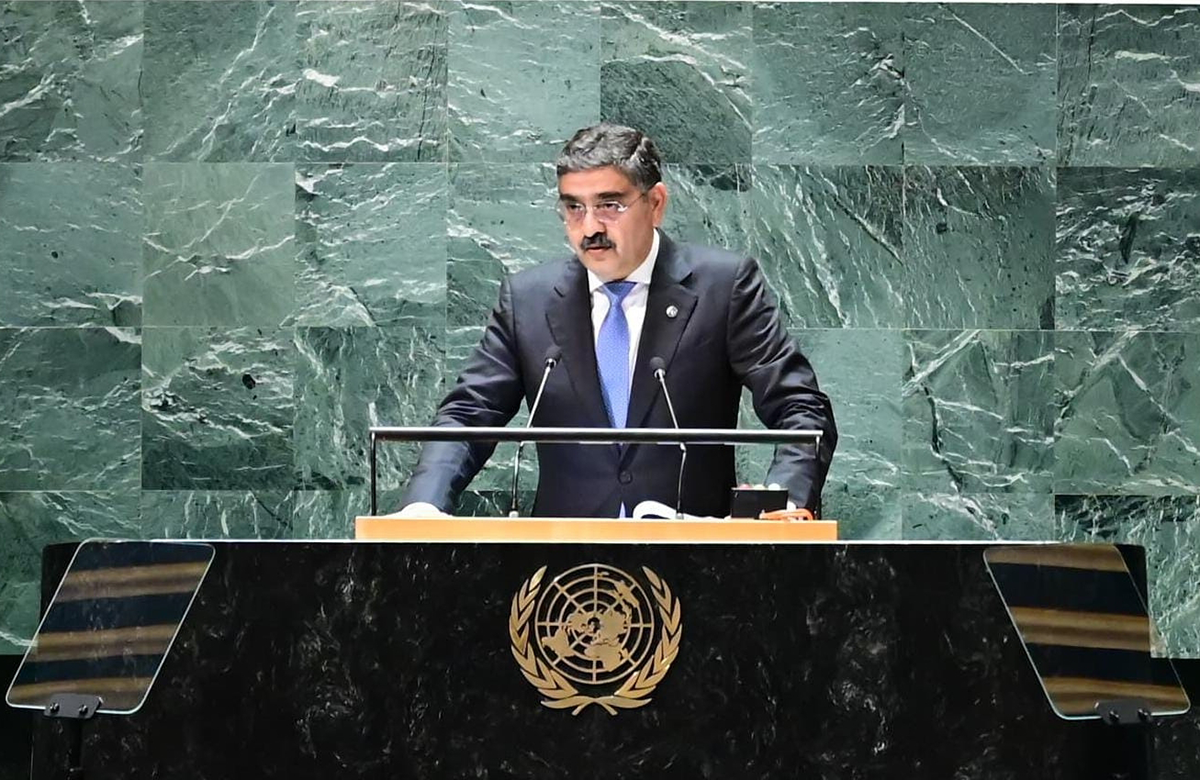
(606, 211)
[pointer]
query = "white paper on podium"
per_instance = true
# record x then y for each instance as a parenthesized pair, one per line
(658, 509)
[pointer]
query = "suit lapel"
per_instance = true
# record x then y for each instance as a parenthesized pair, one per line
(660, 332)
(569, 315)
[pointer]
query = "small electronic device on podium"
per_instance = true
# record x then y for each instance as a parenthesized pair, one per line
(107, 632)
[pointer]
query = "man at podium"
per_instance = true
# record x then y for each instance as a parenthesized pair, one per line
(629, 301)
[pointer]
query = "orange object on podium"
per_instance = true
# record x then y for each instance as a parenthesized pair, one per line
(592, 530)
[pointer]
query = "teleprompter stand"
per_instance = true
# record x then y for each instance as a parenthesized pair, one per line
(106, 633)
(1087, 632)
(75, 709)
(1131, 723)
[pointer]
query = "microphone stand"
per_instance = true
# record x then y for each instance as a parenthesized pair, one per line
(551, 361)
(660, 373)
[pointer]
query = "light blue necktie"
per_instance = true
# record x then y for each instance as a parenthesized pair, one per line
(612, 357)
(612, 354)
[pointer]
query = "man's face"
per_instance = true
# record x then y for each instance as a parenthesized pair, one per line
(608, 241)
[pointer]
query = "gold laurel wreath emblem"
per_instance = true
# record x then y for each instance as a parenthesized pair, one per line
(559, 692)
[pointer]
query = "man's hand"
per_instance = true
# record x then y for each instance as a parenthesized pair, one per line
(419, 509)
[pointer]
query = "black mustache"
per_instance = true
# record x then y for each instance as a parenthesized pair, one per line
(599, 240)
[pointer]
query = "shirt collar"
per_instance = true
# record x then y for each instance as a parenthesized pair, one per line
(640, 275)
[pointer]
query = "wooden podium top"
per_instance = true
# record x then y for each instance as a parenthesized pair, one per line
(586, 530)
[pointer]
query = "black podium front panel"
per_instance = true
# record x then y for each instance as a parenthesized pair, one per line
(378, 660)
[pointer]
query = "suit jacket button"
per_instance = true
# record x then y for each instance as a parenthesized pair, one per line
(625, 477)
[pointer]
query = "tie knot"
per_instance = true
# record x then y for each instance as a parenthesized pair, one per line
(616, 291)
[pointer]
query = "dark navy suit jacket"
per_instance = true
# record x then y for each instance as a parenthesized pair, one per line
(727, 333)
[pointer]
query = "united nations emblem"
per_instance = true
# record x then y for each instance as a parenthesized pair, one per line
(593, 636)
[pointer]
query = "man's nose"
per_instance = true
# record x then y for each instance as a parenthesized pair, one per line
(592, 224)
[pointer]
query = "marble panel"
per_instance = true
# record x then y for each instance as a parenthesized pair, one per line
(830, 241)
(219, 247)
(329, 514)
(863, 512)
(371, 240)
(707, 205)
(1128, 413)
(1129, 77)
(978, 516)
(70, 249)
(978, 247)
(219, 81)
(68, 408)
(979, 411)
(680, 72)
(348, 379)
(69, 75)
(523, 78)
(848, 108)
(862, 373)
(1128, 249)
(217, 409)
(980, 84)
(502, 219)
(216, 514)
(372, 81)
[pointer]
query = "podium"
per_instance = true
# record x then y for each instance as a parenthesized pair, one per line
(765, 659)
(593, 530)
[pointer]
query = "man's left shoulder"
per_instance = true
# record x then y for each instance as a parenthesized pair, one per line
(712, 262)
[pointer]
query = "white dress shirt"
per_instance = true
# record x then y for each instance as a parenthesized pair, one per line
(634, 304)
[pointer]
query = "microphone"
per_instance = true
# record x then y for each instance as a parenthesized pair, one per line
(659, 367)
(553, 355)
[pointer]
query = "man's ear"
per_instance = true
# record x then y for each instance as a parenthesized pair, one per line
(658, 202)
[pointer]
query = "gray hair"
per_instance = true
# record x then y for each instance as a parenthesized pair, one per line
(624, 148)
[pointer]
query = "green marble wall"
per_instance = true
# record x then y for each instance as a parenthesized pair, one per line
(234, 234)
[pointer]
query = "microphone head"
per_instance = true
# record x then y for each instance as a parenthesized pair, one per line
(553, 355)
(658, 364)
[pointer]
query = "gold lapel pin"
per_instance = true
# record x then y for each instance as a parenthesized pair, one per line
(672, 312)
